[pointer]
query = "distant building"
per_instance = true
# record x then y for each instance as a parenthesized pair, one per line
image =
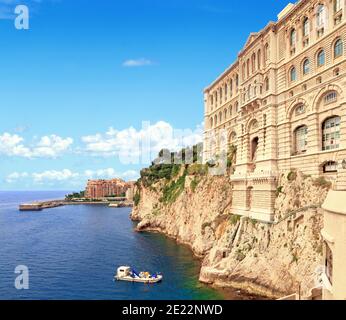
(130, 191)
(281, 105)
(98, 189)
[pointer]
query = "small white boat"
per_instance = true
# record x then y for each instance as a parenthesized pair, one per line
(130, 275)
(113, 205)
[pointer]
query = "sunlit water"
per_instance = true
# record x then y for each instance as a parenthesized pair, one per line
(72, 253)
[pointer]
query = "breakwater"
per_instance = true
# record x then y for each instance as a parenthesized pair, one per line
(41, 205)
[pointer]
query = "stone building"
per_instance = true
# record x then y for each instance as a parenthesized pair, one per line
(334, 251)
(282, 105)
(98, 189)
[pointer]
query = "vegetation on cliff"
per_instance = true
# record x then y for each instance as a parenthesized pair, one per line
(168, 165)
(184, 202)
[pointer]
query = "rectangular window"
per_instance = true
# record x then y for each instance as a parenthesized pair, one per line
(301, 139)
(330, 167)
(337, 6)
(330, 97)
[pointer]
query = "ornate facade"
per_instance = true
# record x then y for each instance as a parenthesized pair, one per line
(283, 105)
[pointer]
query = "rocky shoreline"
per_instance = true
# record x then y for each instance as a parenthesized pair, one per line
(266, 260)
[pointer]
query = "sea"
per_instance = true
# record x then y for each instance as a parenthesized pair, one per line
(72, 253)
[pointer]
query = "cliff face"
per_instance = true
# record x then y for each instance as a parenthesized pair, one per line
(266, 259)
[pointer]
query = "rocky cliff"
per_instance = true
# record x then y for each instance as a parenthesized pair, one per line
(266, 259)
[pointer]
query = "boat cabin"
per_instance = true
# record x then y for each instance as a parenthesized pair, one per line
(123, 271)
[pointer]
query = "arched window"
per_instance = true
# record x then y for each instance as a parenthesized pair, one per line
(230, 110)
(259, 59)
(337, 6)
(330, 167)
(293, 37)
(220, 117)
(306, 27)
(300, 139)
(232, 138)
(243, 70)
(220, 90)
(215, 120)
(231, 88)
(306, 66)
(253, 63)
(254, 147)
(225, 90)
(331, 134)
(300, 109)
(266, 84)
(211, 122)
(293, 74)
(237, 81)
(338, 48)
(330, 97)
(248, 68)
(321, 58)
(321, 16)
(236, 107)
(225, 114)
(266, 52)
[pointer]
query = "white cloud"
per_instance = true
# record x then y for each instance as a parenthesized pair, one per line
(141, 146)
(51, 146)
(137, 63)
(53, 175)
(11, 145)
(13, 177)
(47, 147)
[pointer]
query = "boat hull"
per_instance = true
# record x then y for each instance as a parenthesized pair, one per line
(139, 280)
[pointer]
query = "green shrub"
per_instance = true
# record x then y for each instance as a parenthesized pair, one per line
(197, 169)
(253, 222)
(234, 219)
(292, 176)
(194, 184)
(75, 195)
(175, 170)
(156, 212)
(294, 258)
(137, 198)
(173, 190)
(322, 182)
(279, 190)
(158, 172)
(231, 155)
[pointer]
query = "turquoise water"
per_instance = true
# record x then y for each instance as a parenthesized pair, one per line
(72, 253)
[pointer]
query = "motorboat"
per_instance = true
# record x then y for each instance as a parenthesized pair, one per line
(131, 275)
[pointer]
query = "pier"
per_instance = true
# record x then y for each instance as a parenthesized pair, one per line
(38, 206)
(41, 205)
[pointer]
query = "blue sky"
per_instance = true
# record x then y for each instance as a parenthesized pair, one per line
(76, 87)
